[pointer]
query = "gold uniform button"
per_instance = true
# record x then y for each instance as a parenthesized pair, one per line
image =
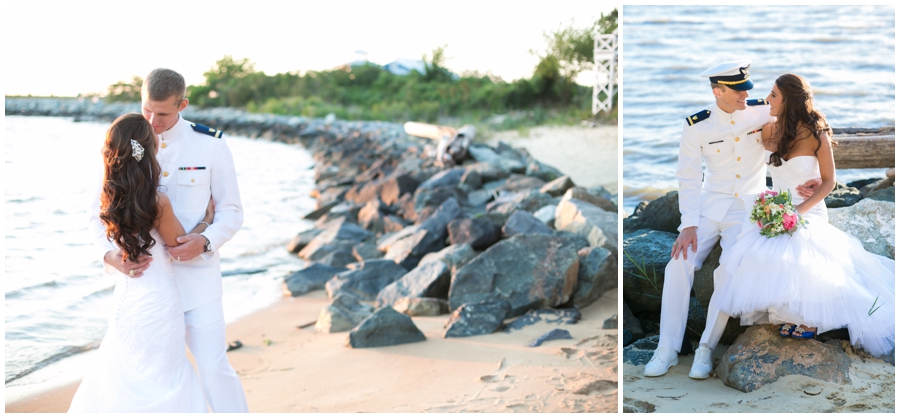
(732, 122)
(735, 195)
(192, 180)
(163, 145)
(739, 158)
(165, 174)
(737, 139)
(736, 175)
(718, 150)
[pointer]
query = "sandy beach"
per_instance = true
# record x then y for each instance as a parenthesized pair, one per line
(285, 368)
(871, 390)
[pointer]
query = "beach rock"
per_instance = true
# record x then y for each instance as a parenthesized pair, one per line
(425, 201)
(542, 171)
(430, 280)
(371, 216)
(421, 306)
(611, 322)
(558, 187)
(870, 188)
(547, 215)
(436, 224)
(486, 155)
(395, 186)
(317, 251)
(527, 270)
(470, 181)
(480, 197)
(529, 201)
(631, 326)
(760, 356)
(409, 250)
(601, 228)
(554, 334)
(366, 280)
(343, 314)
(313, 277)
(454, 256)
(870, 221)
(884, 195)
(486, 172)
(385, 242)
(549, 316)
(517, 183)
(321, 210)
(645, 256)
(448, 177)
(477, 318)
(340, 231)
(301, 240)
(597, 200)
(521, 222)
(366, 251)
(338, 258)
(662, 214)
(597, 273)
(393, 224)
(859, 184)
(842, 196)
(479, 233)
(383, 328)
(703, 278)
(696, 323)
(641, 351)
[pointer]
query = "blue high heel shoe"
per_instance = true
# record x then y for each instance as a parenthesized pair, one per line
(787, 330)
(804, 334)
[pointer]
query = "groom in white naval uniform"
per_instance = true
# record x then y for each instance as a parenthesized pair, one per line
(196, 165)
(727, 136)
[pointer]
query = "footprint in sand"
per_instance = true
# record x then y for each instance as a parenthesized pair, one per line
(501, 389)
(597, 387)
(490, 378)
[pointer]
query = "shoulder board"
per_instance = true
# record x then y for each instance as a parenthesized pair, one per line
(206, 130)
(698, 117)
(756, 102)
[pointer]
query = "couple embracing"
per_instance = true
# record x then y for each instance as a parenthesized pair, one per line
(168, 201)
(813, 280)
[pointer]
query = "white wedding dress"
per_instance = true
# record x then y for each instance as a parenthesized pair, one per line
(819, 276)
(142, 366)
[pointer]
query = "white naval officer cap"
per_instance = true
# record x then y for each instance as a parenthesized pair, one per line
(733, 74)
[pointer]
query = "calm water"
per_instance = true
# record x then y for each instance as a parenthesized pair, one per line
(846, 53)
(56, 294)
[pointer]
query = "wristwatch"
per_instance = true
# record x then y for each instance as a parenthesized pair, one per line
(208, 247)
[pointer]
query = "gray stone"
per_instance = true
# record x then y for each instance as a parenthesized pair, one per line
(317, 251)
(437, 222)
(500, 209)
(598, 271)
(641, 351)
(542, 171)
(408, 251)
(487, 155)
(342, 231)
(470, 181)
(870, 221)
(385, 327)
(521, 222)
(313, 277)
(595, 199)
(760, 356)
(480, 197)
(371, 216)
(843, 197)
(366, 280)
(425, 201)
(662, 214)
(393, 223)
(487, 172)
(554, 334)
(517, 183)
(454, 256)
(632, 325)
(611, 322)
(549, 316)
(884, 195)
(385, 242)
(430, 280)
(343, 314)
(477, 318)
(558, 187)
(601, 228)
(645, 256)
(479, 233)
(338, 258)
(321, 210)
(547, 215)
(366, 251)
(301, 240)
(421, 306)
(528, 270)
(870, 188)
(448, 177)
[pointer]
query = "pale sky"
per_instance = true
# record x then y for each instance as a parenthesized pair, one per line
(67, 48)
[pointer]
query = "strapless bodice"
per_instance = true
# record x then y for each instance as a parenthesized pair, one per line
(794, 172)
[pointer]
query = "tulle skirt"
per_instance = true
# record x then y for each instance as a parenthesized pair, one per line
(819, 276)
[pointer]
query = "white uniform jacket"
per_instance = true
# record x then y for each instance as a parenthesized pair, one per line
(194, 167)
(731, 145)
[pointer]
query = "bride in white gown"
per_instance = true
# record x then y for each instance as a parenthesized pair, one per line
(141, 366)
(819, 278)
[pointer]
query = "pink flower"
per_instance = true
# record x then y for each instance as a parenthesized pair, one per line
(759, 223)
(771, 193)
(789, 221)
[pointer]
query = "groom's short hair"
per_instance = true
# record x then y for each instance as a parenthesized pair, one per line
(717, 86)
(163, 83)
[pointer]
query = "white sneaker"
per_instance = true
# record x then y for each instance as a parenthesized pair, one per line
(663, 359)
(702, 367)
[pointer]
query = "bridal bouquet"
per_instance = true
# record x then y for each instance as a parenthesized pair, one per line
(775, 214)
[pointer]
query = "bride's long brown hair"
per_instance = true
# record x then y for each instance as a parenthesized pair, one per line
(797, 116)
(128, 202)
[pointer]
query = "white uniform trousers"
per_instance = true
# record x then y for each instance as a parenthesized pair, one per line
(206, 340)
(679, 280)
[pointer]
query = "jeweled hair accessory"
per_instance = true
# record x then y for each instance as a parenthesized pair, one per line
(137, 151)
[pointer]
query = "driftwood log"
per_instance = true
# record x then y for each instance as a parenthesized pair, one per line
(864, 148)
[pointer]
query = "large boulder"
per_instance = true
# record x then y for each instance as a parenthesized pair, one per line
(662, 214)
(476, 318)
(871, 221)
(425, 201)
(479, 233)
(343, 314)
(301, 240)
(599, 200)
(437, 222)
(529, 201)
(645, 254)
(421, 306)
(598, 272)
(313, 277)
(454, 256)
(366, 280)
(383, 328)
(486, 172)
(641, 351)
(528, 270)
(431, 280)
(516, 183)
(842, 196)
(448, 177)
(542, 171)
(760, 356)
(487, 155)
(336, 233)
(408, 251)
(601, 228)
(558, 187)
(631, 327)
(389, 189)
(521, 222)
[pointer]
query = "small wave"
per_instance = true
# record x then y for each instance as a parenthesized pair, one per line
(66, 352)
(828, 40)
(26, 200)
(27, 289)
(645, 193)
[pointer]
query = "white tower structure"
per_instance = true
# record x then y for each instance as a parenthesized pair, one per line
(606, 53)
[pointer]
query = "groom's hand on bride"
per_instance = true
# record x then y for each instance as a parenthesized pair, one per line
(114, 258)
(687, 237)
(189, 247)
(807, 189)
